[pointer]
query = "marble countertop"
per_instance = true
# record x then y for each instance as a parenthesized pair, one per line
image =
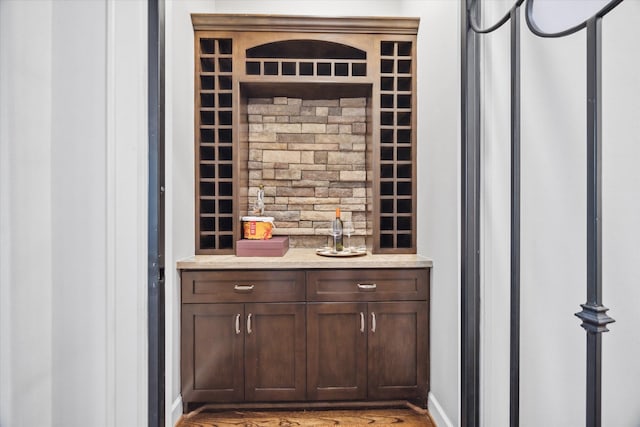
(302, 258)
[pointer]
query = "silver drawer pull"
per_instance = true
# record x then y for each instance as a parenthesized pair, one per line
(237, 323)
(249, 324)
(367, 286)
(362, 322)
(373, 322)
(243, 288)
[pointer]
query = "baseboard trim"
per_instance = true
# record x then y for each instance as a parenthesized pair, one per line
(176, 411)
(437, 412)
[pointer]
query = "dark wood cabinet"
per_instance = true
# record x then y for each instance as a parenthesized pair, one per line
(305, 336)
(336, 351)
(397, 349)
(374, 350)
(251, 350)
(275, 352)
(212, 353)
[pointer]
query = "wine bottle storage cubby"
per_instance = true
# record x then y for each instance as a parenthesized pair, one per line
(215, 225)
(306, 58)
(243, 58)
(302, 67)
(396, 174)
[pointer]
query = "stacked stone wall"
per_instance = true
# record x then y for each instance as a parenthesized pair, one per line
(310, 155)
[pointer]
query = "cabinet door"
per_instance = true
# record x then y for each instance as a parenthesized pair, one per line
(212, 352)
(275, 356)
(398, 352)
(336, 351)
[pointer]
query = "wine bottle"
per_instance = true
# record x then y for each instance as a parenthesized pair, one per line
(337, 227)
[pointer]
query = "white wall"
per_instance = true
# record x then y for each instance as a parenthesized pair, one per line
(621, 210)
(553, 355)
(25, 102)
(494, 249)
(439, 193)
(438, 183)
(73, 213)
(179, 179)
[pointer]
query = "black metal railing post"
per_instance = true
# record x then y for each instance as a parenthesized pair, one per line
(514, 332)
(470, 227)
(593, 314)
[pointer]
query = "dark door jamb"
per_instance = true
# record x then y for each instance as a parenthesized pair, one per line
(155, 236)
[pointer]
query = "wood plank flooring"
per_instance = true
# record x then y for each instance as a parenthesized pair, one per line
(315, 418)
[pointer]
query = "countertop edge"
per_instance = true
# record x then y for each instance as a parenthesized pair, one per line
(298, 258)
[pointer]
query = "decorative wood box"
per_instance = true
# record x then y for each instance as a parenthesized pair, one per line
(276, 246)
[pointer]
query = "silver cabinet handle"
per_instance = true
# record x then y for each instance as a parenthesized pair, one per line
(373, 322)
(237, 323)
(361, 322)
(243, 288)
(367, 286)
(249, 323)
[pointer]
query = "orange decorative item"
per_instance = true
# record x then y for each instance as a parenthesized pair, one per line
(257, 227)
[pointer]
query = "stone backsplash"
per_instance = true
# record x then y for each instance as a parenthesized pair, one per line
(311, 157)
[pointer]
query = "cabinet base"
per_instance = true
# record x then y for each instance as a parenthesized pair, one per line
(196, 407)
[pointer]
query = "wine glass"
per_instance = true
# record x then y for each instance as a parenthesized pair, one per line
(348, 229)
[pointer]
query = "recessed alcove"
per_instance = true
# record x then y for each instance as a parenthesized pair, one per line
(310, 146)
(321, 111)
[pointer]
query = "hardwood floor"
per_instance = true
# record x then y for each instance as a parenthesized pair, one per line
(315, 418)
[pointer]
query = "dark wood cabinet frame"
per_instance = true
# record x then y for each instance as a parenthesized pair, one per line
(243, 56)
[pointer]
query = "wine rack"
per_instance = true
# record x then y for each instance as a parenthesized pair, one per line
(239, 58)
(215, 225)
(306, 58)
(396, 174)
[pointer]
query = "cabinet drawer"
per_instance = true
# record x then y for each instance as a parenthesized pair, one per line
(242, 286)
(368, 285)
